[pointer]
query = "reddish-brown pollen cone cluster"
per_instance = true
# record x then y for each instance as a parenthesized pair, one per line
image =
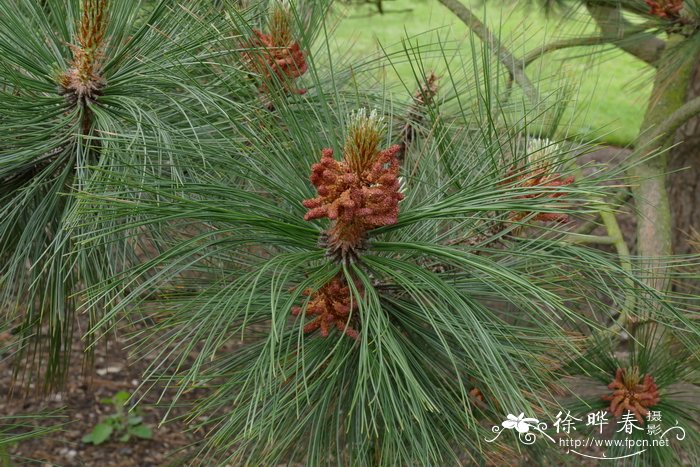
(333, 305)
(540, 178)
(667, 9)
(357, 194)
(630, 392)
(286, 62)
(355, 202)
(427, 91)
(277, 55)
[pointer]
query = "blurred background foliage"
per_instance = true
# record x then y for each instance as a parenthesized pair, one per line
(611, 89)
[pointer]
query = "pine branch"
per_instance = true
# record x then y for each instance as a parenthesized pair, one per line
(674, 121)
(615, 233)
(613, 24)
(614, 39)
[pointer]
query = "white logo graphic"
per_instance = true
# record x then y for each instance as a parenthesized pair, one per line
(522, 425)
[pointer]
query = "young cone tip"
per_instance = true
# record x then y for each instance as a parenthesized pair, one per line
(279, 23)
(364, 134)
(83, 79)
(667, 9)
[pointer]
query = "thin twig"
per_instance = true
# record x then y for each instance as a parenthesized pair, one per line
(577, 238)
(614, 39)
(589, 226)
(616, 238)
(614, 232)
(514, 65)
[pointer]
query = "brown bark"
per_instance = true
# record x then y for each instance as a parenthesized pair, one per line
(684, 182)
(668, 100)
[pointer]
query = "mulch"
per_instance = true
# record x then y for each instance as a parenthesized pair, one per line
(79, 408)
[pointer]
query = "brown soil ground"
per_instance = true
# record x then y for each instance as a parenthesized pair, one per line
(79, 408)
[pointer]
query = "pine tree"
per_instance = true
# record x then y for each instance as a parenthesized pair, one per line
(358, 274)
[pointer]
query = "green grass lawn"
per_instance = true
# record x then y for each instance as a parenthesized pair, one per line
(612, 87)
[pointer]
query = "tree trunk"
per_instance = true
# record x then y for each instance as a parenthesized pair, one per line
(380, 7)
(683, 181)
(684, 184)
(654, 227)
